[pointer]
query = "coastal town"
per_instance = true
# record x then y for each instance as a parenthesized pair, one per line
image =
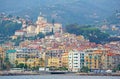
(56, 49)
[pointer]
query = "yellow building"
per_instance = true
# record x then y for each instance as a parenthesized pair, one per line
(92, 58)
(14, 37)
(30, 57)
(31, 62)
(2, 53)
(53, 62)
(64, 60)
(2, 56)
(31, 29)
(97, 58)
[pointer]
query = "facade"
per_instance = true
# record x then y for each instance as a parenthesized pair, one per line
(2, 53)
(2, 56)
(20, 33)
(41, 23)
(31, 29)
(101, 59)
(45, 27)
(92, 60)
(53, 62)
(64, 60)
(28, 56)
(11, 55)
(57, 28)
(116, 60)
(95, 58)
(76, 60)
(55, 54)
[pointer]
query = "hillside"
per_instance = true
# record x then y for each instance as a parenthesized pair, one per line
(64, 11)
(7, 29)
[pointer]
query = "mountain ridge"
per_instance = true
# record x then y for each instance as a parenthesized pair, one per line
(63, 11)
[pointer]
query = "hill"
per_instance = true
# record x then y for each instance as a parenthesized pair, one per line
(63, 11)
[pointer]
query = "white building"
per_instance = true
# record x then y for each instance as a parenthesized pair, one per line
(76, 60)
(41, 24)
(11, 55)
(45, 27)
(20, 33)
(31, 29)
(57, 28)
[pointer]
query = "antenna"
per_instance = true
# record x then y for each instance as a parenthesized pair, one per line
(40, 14)
(53, 21)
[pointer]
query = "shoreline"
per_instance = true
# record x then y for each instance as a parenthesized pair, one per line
(46, 73)
(93, 74)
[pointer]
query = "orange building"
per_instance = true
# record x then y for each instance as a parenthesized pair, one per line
(64, 60)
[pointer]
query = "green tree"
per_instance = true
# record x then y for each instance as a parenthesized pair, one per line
(8, 28)
(41, 35)
(1, 63)
(63, 68)
(85, 69)
(22, 65)
(118, 67)
(16, 63)
(17, 41)
(49, 33)
(89, 32)
(7, 64)
(41, 61)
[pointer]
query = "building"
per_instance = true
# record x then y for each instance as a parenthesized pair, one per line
(2, 57)
(53, 54)
(53, 62)
(41, 24)
(45, 27)
(76, 60)
(28, 56)
(91, 60)
(11, 55)
(31, 29)
(20, 33)
(57, 28)
(64, 60)
(2, 53)
(97, 59)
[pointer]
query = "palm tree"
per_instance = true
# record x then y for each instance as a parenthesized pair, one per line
(16, 63)
(1, 63)
(26, 58)
(7, 64)
(41, 61)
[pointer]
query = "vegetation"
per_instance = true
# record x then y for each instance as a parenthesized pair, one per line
(41, 35)
(8, 28)
(117, 68)
(35, 68)
(89, 32)
(84, 69)
(22, 65)
(62, 68)
(1, 61)
(6, 64)
(17, 41)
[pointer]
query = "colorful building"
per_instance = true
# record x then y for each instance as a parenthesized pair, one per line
(28, 56)
(11, 55)
(53, 62)
(2, 57)
(76, 60)
(64, 60)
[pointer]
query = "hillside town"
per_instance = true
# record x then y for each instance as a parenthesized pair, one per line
(57, 50)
